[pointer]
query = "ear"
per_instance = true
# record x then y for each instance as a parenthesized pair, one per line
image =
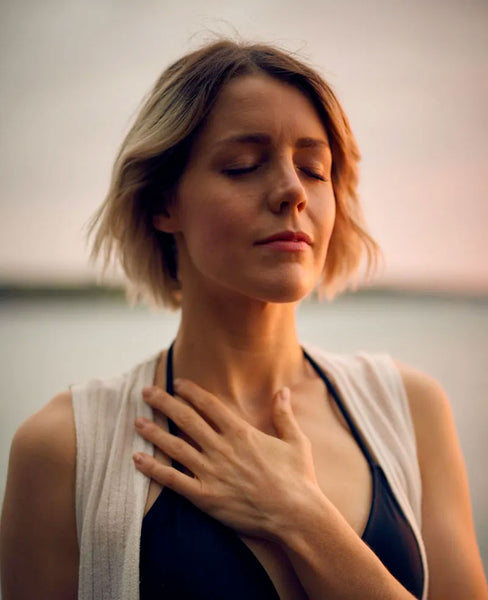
(166, 220)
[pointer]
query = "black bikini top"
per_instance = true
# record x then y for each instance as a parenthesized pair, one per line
(187, 555)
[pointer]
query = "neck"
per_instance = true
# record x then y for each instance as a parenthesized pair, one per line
(242, 352)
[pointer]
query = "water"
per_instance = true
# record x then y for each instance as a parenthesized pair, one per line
(45, 345)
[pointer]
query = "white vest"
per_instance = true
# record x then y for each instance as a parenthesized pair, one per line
(111, 494)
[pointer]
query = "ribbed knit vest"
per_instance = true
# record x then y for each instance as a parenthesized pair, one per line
(111, 494)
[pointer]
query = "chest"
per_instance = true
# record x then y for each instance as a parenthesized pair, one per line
(343, 474)
(341, 468)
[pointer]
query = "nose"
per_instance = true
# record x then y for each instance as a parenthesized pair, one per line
(287, 191)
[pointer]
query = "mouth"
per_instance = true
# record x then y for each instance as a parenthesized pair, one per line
(287, 241)
(287, 236)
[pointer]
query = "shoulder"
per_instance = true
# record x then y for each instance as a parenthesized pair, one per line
(43, 456)
(438, 447)
(430, 409)
(38, 532)
(43, 452)
(425, 393)
(455, 568)
(48, 436)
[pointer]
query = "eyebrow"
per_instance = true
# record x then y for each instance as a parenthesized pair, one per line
(265, 139)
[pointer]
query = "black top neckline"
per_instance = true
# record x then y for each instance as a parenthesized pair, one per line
(387, 531)
(173, 428)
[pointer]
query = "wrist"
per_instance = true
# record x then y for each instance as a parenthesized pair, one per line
(302, 510)
(322, 546)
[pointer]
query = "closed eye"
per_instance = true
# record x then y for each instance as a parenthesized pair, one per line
(244, 170)
(313, 174)
(240, 171)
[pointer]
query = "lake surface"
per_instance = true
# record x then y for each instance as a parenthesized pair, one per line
(47, 344)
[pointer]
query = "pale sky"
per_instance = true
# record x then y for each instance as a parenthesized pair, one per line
(412, 76)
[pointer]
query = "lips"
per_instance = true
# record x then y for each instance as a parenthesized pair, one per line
(287, 236)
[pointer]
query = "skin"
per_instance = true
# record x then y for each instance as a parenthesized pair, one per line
(268, 464)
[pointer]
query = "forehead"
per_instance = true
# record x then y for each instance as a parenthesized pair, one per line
(260, 103)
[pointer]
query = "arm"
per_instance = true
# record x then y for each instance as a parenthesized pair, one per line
(38, 545)
(330, 559)
(455, 568)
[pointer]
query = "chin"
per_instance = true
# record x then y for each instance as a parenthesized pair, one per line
(279, 288)
(282, 293)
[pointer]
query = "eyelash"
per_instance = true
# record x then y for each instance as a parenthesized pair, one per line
(246, 170)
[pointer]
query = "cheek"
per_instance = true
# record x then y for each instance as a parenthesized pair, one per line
(331, 217)
(211, 227)
(324, 217)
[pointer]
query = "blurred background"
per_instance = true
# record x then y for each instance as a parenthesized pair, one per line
(413, 79)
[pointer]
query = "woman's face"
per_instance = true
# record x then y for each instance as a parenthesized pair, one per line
(260, 167)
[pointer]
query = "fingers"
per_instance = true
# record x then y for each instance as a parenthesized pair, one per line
(206, 403)
(183, 415)
(283, 418)
(171, 445)
(168, 476)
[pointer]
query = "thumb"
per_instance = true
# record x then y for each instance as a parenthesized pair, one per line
(284, 420)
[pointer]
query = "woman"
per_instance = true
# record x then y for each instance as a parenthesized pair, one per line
(261, 469)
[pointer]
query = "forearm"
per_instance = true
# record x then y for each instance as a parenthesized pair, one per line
(330, 559)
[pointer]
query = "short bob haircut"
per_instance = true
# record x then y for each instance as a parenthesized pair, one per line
(154, 154)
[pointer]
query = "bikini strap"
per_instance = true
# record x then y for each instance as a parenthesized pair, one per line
(333, 392)
(173, 429)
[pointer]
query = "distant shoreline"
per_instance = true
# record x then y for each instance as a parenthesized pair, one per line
(59, 292)
(56, 292)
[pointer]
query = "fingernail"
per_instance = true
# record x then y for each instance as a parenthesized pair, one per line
(138, 458)
(177, 383)
(141, 421)
(284, 394)
(147, 392)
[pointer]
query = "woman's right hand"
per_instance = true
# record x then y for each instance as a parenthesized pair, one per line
(245, 478)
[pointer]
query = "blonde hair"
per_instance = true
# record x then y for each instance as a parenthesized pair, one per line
(154, 154)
